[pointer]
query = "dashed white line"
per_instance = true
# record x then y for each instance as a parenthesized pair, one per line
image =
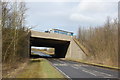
(89, 72)
(96, 73)
(60, 64)
(105, 74)
(93, 72)
(61, 61)
(75, 67)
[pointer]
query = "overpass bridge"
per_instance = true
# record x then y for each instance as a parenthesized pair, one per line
(65, 46)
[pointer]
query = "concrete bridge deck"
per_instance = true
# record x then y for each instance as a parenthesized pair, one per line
(50, 36)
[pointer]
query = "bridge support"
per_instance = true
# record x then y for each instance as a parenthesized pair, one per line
(65, 46)
(60, 51)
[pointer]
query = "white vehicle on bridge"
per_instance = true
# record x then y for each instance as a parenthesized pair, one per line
(60, 32)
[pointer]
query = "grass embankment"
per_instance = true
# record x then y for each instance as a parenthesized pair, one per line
(93, 62)
(39, 68)
(101, 42)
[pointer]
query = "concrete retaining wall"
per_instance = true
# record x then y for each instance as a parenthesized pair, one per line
(75, 52)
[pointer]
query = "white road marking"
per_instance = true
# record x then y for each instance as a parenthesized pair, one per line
(93, 72)
(61, 61)
(60, 64)
(75, 67)
(96, 73)
(80, 65)
(61, 71)
(105, 74)
(89, 72)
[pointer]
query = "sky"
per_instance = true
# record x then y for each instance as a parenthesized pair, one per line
(69, 15)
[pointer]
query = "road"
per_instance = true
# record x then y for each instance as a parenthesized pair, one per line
(41, 54)
(78, 70)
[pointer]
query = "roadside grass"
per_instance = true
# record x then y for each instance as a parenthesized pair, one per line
(49, 71)
(33, 53)
(39, 68)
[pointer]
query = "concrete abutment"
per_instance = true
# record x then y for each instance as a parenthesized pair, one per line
(65, 46)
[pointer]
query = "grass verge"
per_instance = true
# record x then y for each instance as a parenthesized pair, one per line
(39, 68)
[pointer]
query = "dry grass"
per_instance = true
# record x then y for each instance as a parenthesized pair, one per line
(39, 68)
(102, 43)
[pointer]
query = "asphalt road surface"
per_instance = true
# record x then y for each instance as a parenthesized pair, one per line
(41, 54)
(78, 70)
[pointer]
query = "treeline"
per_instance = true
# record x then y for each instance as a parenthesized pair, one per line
(15, 38)
(101, 42)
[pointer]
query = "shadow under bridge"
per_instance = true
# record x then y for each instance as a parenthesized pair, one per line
(61, 46)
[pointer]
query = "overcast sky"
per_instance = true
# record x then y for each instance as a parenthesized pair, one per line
(68, 14)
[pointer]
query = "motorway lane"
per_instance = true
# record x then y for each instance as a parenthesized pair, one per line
(78, 70)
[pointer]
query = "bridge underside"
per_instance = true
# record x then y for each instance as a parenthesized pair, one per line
(60, 46)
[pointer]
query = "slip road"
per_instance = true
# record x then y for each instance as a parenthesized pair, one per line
(73, 69)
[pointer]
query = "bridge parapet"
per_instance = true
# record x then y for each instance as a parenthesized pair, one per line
(50, 36)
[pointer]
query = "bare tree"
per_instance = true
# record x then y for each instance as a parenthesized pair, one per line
(14, 32)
